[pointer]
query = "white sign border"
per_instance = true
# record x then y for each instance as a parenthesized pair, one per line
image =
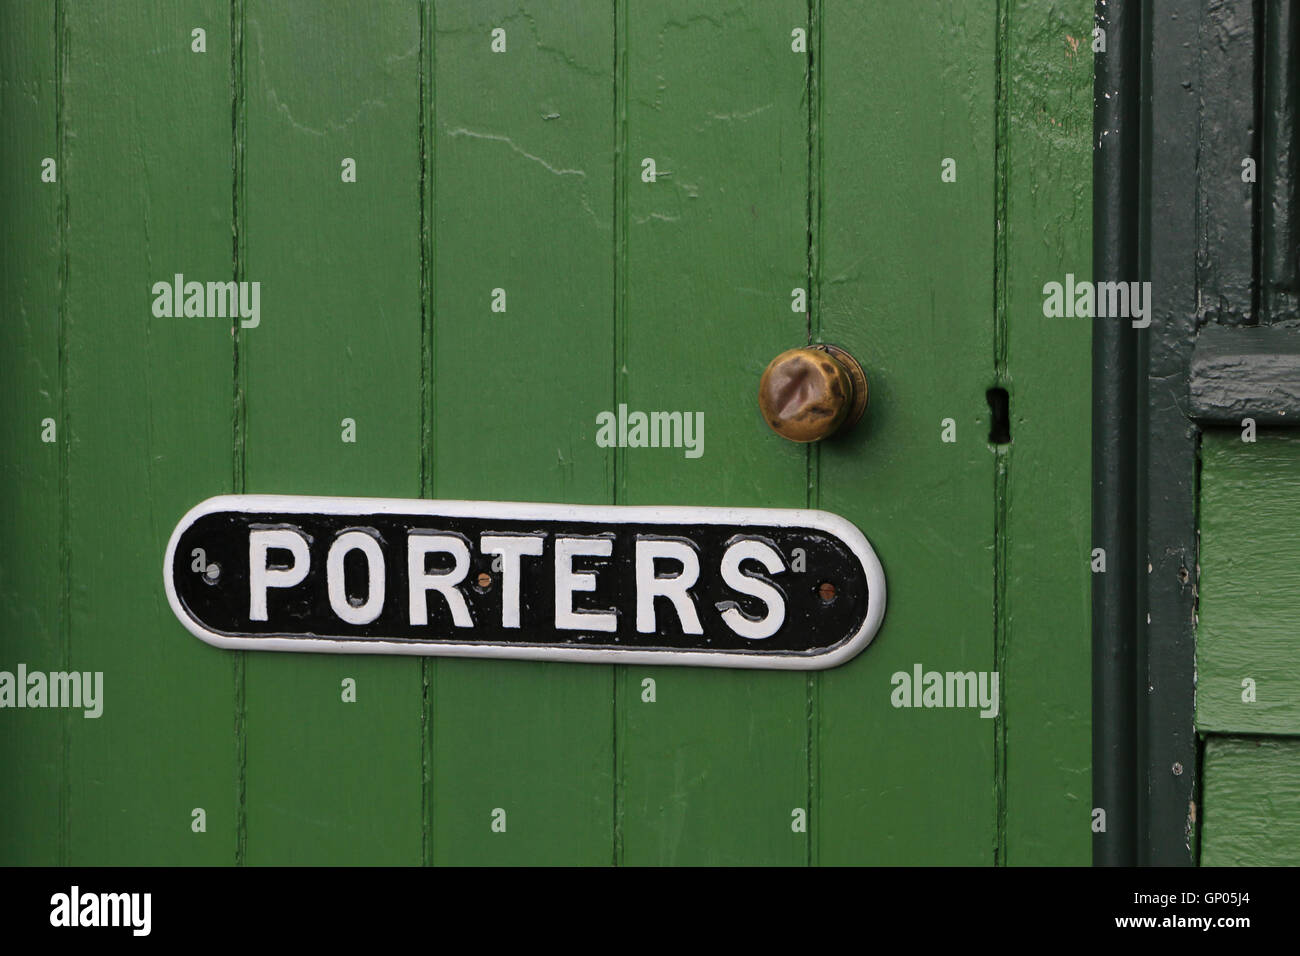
(841, 528)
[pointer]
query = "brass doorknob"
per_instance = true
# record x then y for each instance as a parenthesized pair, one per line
(810, 393)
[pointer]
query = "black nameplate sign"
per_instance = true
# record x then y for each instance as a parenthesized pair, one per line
(721, 587)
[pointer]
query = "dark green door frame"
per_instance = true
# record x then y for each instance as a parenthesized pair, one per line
(1116, 171)
(1196, 153)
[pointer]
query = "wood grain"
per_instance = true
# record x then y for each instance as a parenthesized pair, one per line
(712, 771)
(148, 179)
(32, 611)
(907, 287)
(1249, 625)
(523, 186)
(1251, 793)
(1044, 587)
(329, 781)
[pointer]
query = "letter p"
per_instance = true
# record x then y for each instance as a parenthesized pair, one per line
(261, 576)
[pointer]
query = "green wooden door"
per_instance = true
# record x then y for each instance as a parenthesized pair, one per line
(475, 227)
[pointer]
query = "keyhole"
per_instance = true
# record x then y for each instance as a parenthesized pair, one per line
(999, 416)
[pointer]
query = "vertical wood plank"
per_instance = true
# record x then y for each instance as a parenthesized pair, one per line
(1226, 205)
(523, 201)
(148, 180)
(330, 781)
(1279, 163)
(1044, 599)
(31, 612)
(907, 287)
(714, 769)
(1169, 470)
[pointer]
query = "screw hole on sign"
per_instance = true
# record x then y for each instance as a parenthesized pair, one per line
(1183, 576)
(827, 591)
(484, 581)
(212, 572)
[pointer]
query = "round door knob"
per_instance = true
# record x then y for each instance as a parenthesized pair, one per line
(810, 393)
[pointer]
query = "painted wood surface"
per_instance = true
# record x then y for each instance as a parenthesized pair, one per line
(502, 270)
(331, 389)
(1251, 802)
(521, 177)
(33, 606)
(711, 251)
(149, 403)
(1246, 372)
(919, 314)
(1044, 483)
(1248, 636)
